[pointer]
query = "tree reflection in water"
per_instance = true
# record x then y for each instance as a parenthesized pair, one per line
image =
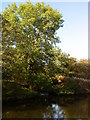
(54, 111)
(49, 107)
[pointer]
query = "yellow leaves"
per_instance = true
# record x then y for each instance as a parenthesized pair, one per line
(44, 27)
(43, 15)
(48, 12)
(56, 14)
(42, 8)
(39, 39)
(1, 62)
(50, 25)
(32, 20)
(1, 53)
(60, 78)
(21, 6)
(12, 17)
(59, 81)
(46, 69)
(13, 6)
(22, 23)
(38, 4)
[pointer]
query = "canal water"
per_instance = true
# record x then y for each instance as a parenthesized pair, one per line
(45, 107)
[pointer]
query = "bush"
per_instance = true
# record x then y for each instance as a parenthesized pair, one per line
(12, 90)
(72, 87)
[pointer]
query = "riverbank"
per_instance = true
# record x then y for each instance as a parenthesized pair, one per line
(39, 95)
(67, 87)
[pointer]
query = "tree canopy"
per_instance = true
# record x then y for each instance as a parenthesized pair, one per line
(29, 40)
(29, 53)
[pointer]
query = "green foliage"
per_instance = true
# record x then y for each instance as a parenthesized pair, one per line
(12, 90)
(82, 68)
(71, 86)
(31, 29)
(28, 44)
(30, 56)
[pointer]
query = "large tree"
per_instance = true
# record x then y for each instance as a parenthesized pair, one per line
(29, 40)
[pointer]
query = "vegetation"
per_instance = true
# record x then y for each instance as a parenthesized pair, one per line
(31, 61)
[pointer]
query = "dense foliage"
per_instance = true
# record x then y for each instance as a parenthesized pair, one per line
(30, 58)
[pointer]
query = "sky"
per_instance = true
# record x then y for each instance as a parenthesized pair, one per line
(74, 34)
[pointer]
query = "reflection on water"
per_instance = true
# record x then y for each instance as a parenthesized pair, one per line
(56, 112)
(48, 107)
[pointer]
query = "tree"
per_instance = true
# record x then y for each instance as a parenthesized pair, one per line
(29, 38)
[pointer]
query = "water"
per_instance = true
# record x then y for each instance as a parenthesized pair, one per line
(49, 107)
